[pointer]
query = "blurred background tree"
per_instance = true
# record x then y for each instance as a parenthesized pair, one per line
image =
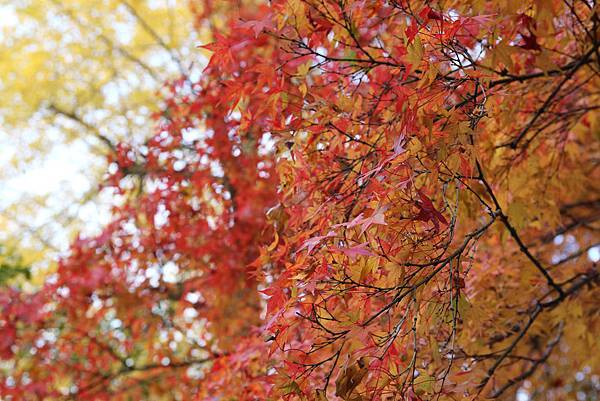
(77, 76)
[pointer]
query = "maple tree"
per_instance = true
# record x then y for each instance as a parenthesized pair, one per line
(358, 200)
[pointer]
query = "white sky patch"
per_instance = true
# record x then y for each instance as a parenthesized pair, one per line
(8, 16)
(54, 174)
(522, 395)
(161, 217)
(267, 144)
(189, 314)
(193, 297)
(153, 275)
(170, 271)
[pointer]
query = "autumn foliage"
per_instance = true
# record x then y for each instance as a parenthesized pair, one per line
(357, 200)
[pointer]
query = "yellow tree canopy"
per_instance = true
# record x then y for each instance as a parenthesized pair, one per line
(78, 76)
